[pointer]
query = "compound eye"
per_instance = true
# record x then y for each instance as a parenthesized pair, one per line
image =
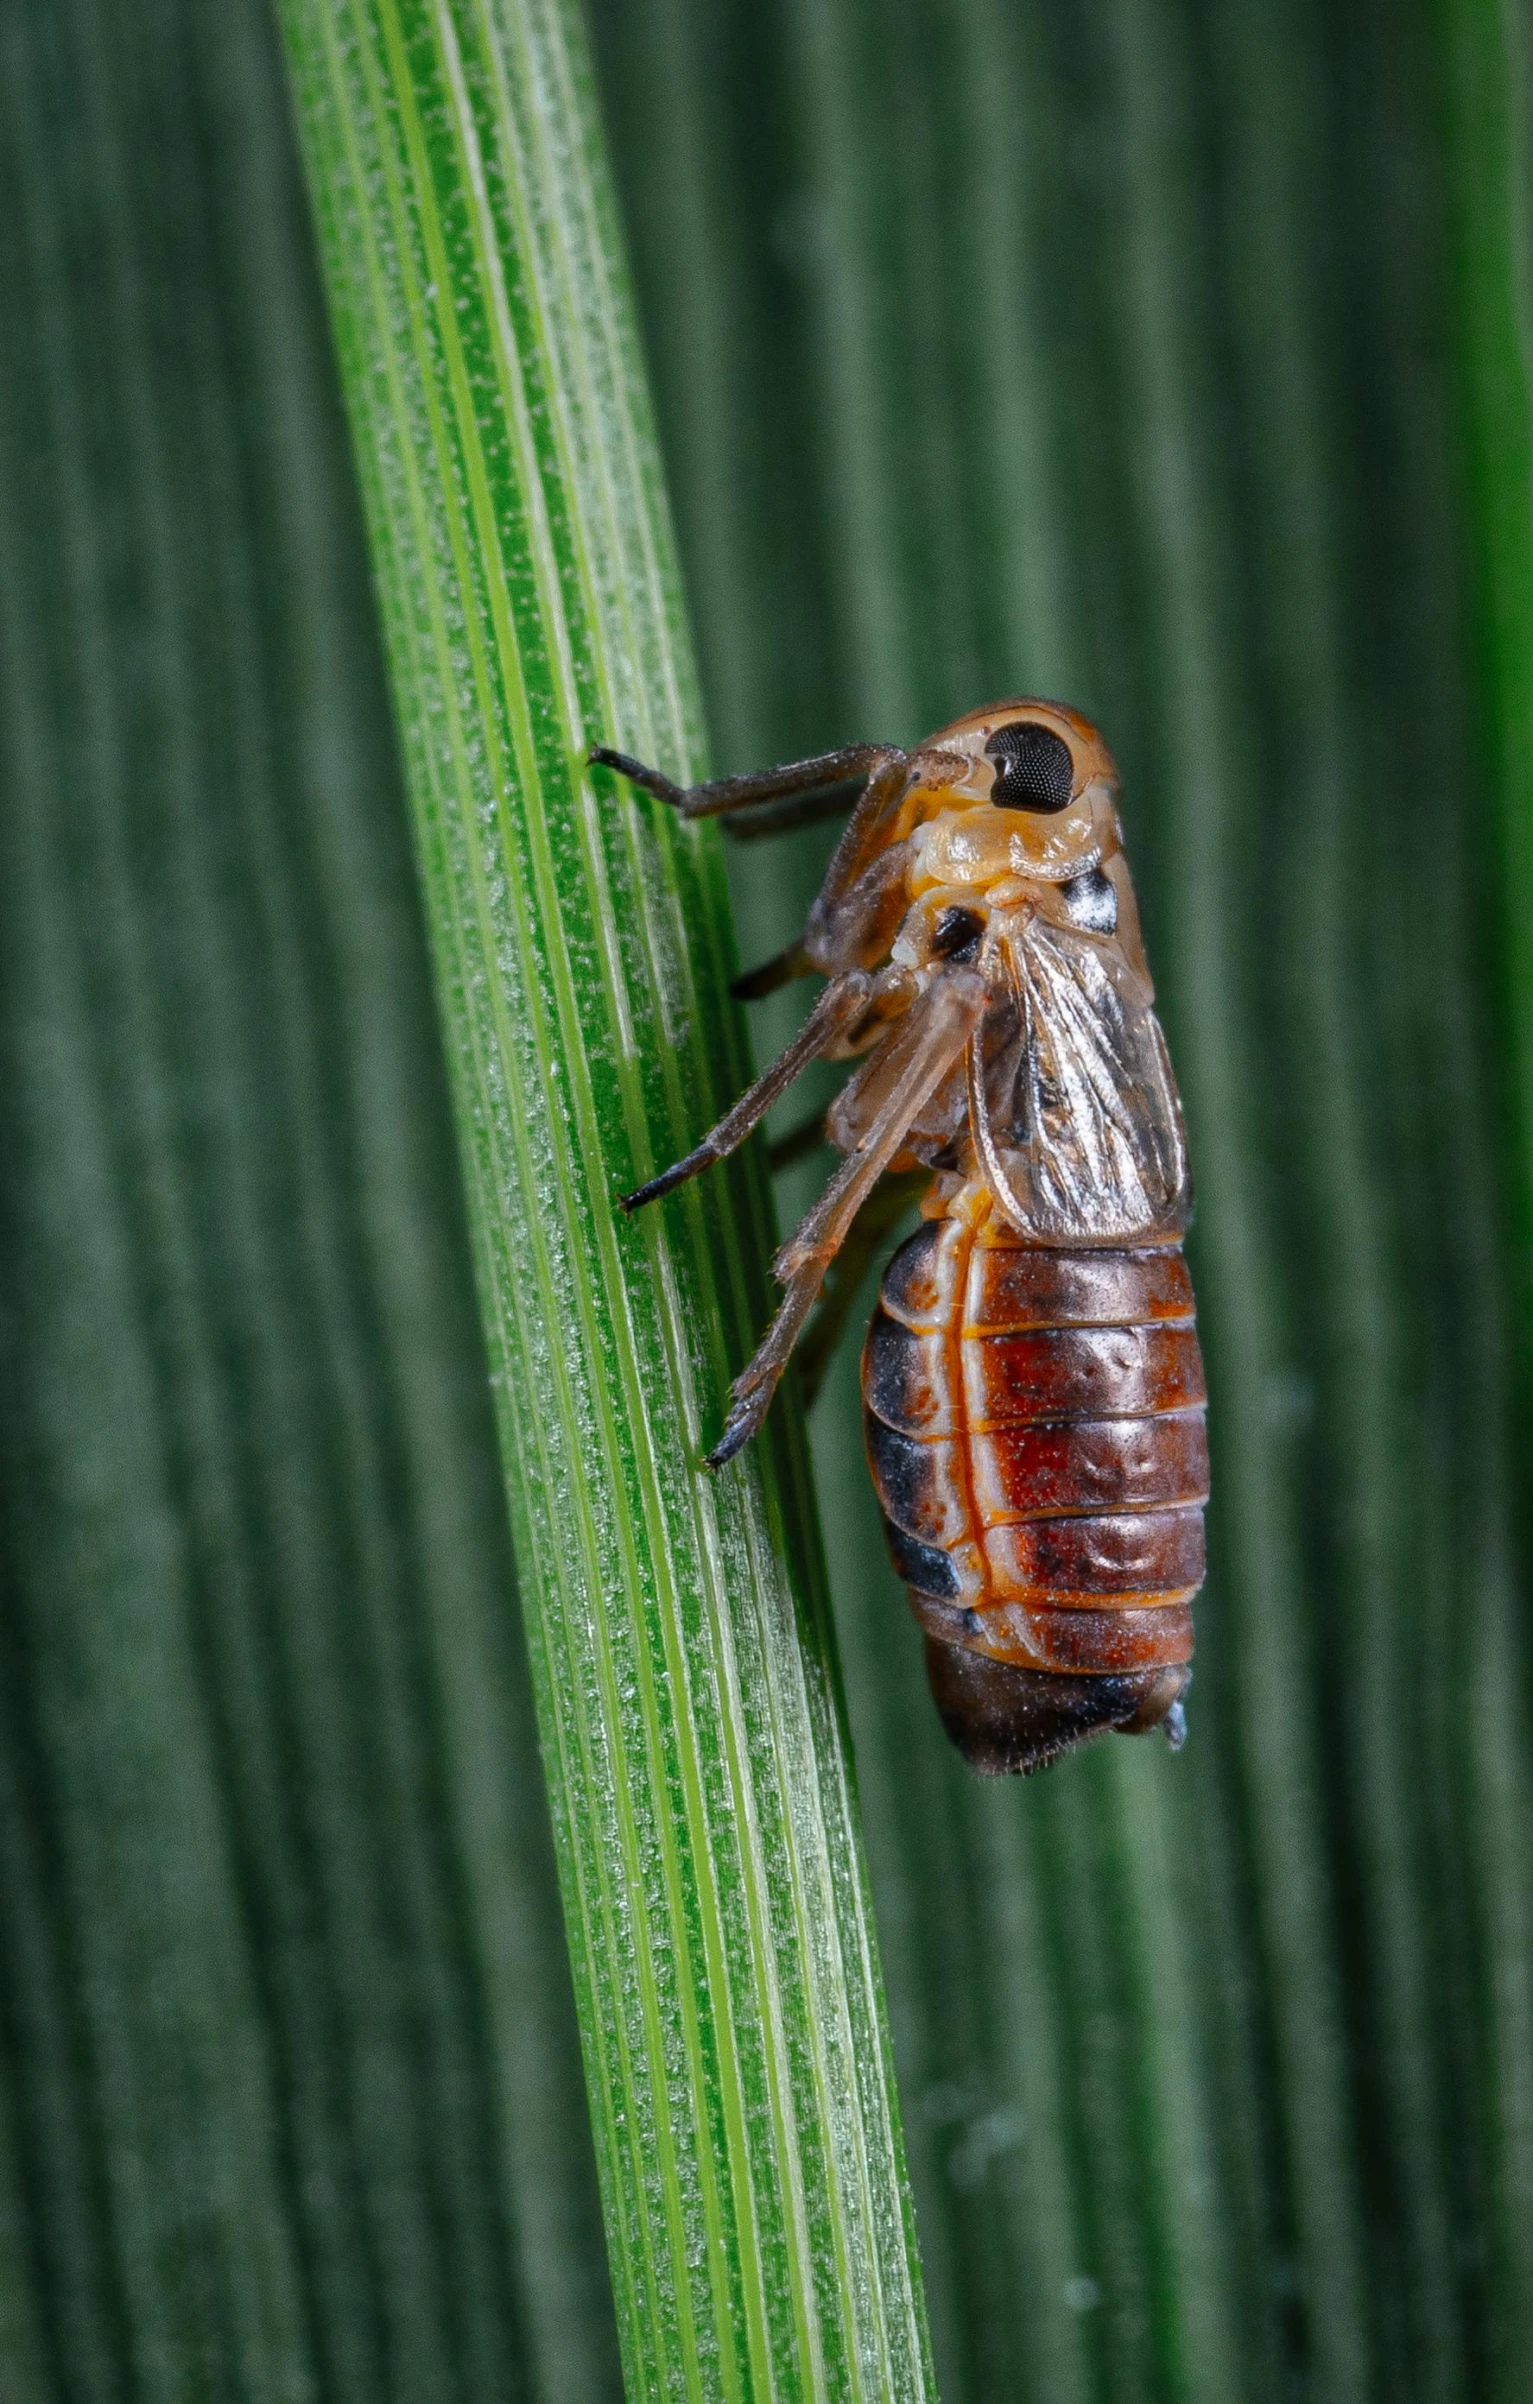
(1033, 769)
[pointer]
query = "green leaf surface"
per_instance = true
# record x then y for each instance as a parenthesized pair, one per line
(1119, 352)
(737, 2060)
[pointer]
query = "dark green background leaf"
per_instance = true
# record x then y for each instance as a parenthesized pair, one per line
(1109, 351)
(293, 2105)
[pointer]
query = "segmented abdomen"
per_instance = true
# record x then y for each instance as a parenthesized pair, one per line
(1035, 1429)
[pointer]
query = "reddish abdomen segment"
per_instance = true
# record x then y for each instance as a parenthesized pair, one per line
(1035, 1430)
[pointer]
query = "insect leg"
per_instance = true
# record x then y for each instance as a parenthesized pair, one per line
(846, 929)
(840, 1006)
(781, 969)
(920, 1049)
(882, 1212)
(854, 763)
(849, 930)
(781, 817)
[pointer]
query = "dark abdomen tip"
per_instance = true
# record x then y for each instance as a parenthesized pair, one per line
(1007, 1722)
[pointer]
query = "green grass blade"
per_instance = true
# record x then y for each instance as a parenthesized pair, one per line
(746, 2130)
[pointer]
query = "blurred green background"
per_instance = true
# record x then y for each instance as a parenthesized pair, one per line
(1134, 352)
(1114, 351)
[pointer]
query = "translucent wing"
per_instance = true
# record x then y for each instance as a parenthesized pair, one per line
(1074, 1110)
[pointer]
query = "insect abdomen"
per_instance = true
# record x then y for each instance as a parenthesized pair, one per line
(1035, 1430)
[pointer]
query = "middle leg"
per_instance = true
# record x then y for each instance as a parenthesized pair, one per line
(835, 1015)
(920, 1049)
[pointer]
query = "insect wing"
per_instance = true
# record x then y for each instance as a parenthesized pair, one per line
(1075, 1111)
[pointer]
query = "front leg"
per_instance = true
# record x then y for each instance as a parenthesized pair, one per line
(852, 930)
(817, 788)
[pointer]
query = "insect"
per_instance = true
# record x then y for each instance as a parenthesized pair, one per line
(1032, 1386)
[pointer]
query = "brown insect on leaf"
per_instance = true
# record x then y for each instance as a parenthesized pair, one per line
(1032, 1387)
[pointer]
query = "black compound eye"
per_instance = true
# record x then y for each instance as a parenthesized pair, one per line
(956, 934)
(1033, 769)
(1091, 901)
